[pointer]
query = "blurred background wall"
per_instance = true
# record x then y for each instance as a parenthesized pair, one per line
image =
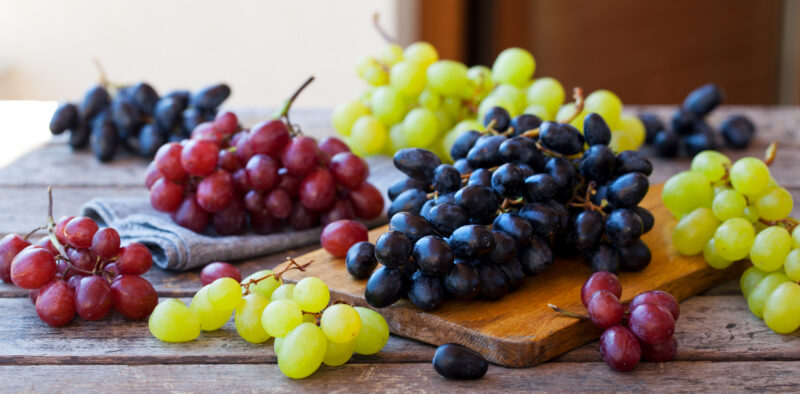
(646, 51)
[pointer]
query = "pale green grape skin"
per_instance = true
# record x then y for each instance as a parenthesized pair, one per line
(468, 124)
(376, 76)
(397, 139)
(374, 332)
(770, 248)
(248, 318)
(796, 237)
(546, 92)
(392, 55)
(750, 213)
(775, 203)
(634, 128)
(685, 192)
(345, 115)
(712, 164)
(694, 231)
(387, 105)
(760, 294)
(446, 77)
(443, 121)
(264, 287)
(451, 106)
(173, 321)
(338, 353)
(422, 53)
(420, 127)
(480, 77)
(749, 176)
(430, 100)
(782, 310)
(211, 319)
(363, 64)
(311, 294)
(340, 323)
(407, 78)
(368, 136)
(283, 292)
(750, 279)
(622, 140)
(276, 345)
(280, 317)
(728, 204)
(538, 110)
(791, 266)
(733, 238)
(565, 112)
(713, 258)
(224, 294)
(496, 101)
(302, 351)
(606, 104)
(512, 94)
(515, 66)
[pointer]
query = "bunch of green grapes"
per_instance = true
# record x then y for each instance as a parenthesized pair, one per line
(416, 100)
(735, 211)
(308, 332)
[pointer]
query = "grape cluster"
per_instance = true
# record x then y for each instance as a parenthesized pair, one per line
(79, 268)
(308, 332)
(690, 133)
(733, 211)
(134, 117)
(271, 174)
(513, 199)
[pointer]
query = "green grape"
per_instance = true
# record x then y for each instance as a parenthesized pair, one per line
(430, 100)
(340, 323)
(468, 124)
(713, 258)
(265, 287)
(211, 319)
(782, 310)
(443, 121)
(546, 92)
(338, 353)
(446, 77)
(750, 279)
(480, 77)
(606, 104)
(733, 238)
(368, 136)
(750, 213)
(694, 231)
(796, 237)
(363, 64)
(566, 111)
(248, 318)
(622, 140)
(392, 55)
(634, 128)
(309, 318)
(173, 321)
(791, 266)
(366, 97)
(685, 192)
(728, 204)
(283, 292)
(452, 106)
(311, 294)
(387, 105)
(224, 294)
(539, 111)
(280, 317)
(397, 139)
(512, 94)
(276, 345)
(376, 76)
(422, 53)
(770, 248)
(515, 66)
(775, 203)
(346, 114)
(760, 294)
(712, 164)
(749, 176)
(374, 332)
(495, 101)
(302, 351)
(407, 78)
(420, 127)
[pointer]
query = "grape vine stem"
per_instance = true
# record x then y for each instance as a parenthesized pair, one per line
(381, 31)
(566, 313)
(293, 264)
(284, 111)
(577, 94)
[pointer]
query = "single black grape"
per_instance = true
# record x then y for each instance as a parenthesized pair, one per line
(385, 287)
(432, 255)
(446, 179)
(190, 118)
(462, 166)
(211, 97)
(527, 170)
(144, 97)
(412, 226)
(518, 228)
(682, 121)
(480, 177)
(536, 258)
(588, 229)
(634, 257)
(463, 144)
(652, 126)
(393, 249)
(126, 117)
(425, 291)
(633, 161)
(598, 163)
(95, 100)
(103, 138)
(486, 152)
(703, 100)
(79, 136)
(454, 361)
(561, 138)
(604, 258)
(525, 122)
(406, 184)
(462, 281)
(600, 195)
(647, 219)
(360, 260)
(480, 203)
(737, 131)
(151, 137)
(167, 112)
(493, 282)
(181, 96)
(408, 201)
(544, 220)
(505, 248)
(700, 141)
(522, 150)
(471, 241)
(447, 217)
(64, 118)
(623, 227)
(667, 143)
(514, 274)
(539, 187)
(627, 190)
(563, 173)
(564, 219)
(498, 117)
(596, 130)
(416, 163)
(507, 181)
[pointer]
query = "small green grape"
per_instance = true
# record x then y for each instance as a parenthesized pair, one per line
(546, 92)
(513, 95)
(538, 110)
(770, 248)
(173, 321)
(346, 114)
(430, 100)
(264, 287)
(622, 140)
(340, 323)
(634, 128)
(733, 238)
(368, 136)
(374, 332)
(775, 203)
(750, 279)
(446, 77)
(515, 66)
(248, 318)
(224, 294)
(311, 294)
(302, 351)
(480, 77)
(728, 204)
(694, 231)
(283, 292)
(750, 213)
(338, 353)
(211, 319)
(686, 191)
(281, 316)
(713, 258)
(387, 105)
(420, 127)
(782, 309)
(422, 53)
(392, 54)
(792, 265)
(749, 176)
(606, 104)
(407, 78)
(760, 294)
(712, 164)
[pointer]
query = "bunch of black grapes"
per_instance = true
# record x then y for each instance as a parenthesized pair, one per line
(690, 133)
(134, 117)
(518, 195)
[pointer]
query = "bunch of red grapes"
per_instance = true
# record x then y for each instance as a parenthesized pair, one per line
(643, 331)
(79, 268)
(270, 174)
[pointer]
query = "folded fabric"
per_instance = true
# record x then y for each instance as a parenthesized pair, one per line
(177, 248)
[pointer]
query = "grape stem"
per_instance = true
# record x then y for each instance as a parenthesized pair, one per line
(381, 31)
(566, 313)
(789, 223)
(532, 133)
(772, 151)
(577, 94)
(28, 235)
(284, 111)
(104, 81)
(293, 264)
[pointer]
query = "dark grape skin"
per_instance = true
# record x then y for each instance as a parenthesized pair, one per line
(408, 201)
(264, 223)
(652, 126)
(134, 259)
(521, 150)
(406, 184)
(700, 141)
(425, 291)
(601, 280)
(339, 236)
(10, 246)
(647, 219)
(493, 282)
(367, 201)
(604, 258)
(660, 298)
(279, 204)
(360, 260)
(543, 219)
(620, 349)
(93, 298)
(125, 117)
(190, 119)
(33, 268)
(416, 163)
(480, 177)
(597, 163)
(525, 122)
(634, 257)
(507, 181)
(446, 179)
(604, 309)
(103, 139)
(667, 143)
(302, 218)
(216, 191)
(514, 226)
(144, 97)
(432, 255)
(651, 323)
(454, 361)
(462, 281)
(462, 166)
(317, 190)
(561, 138)
(737, 131)
(151, 137)
(486, 152)
(385, 287)
(660, 352)
(446, 218)
(348, 169)
(231, 219)
(79, 232)
(210, 97)
(463, 143)
(64, 118)
(95, 101)
(133, 297)
(588, 229)
(633, 161)
(167, 112)
(105, 243)
(623, 227)
(536, 258)
(500, 117)
(79, 136)
(514, 274)
(55, 303)
(505, 248)
(703, 100)
(596, 130)
(393, 249)
(627, 190)
(480, 203)
(682, 121)
(539, 188)
(190, 215)
(471, 241)
(412, 226)
(219, 269)
(341, 210)
(562, 172)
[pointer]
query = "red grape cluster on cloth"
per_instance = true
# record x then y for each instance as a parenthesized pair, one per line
(79, 268)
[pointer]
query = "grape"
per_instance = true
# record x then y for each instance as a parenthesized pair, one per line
(231, 219)
(514, 65)
(134, 297)
(224, 293)
(168, 161)
(480, 79)
(712, 164)
(420, 127)
(248, 318)
(32, 268)
(360, 261)
(407, 77)
(338, 353)
(623, 227)
(10, 246)
(79, 232)
(728, 204)
(268, 138)
(651, 323)
(760, 293)
(512, 94)
(634, 129)
(134, 259)
(345, 115)
(429, 100)
(93, 298)
(311, 294)
(173, 321)
(539, 111)
(733, 238)
(737, 130)
(750, 213)
(387, 105)
(495, 102)
(685, 192)
(199, 157)
(299, 156)
(317, 190)
(432, 255)
(374, 332)
(349, 170)
(775, 203)
(367, 201)
(262, 172)
(622, 141)
(446, 77)
(454, 361)
(216, 270)
(421, 52)
(368, 135)
(105, 243)
(166, 195)
(302, 351)
(750, 279)
(792, 265)
(264, 287)
(55, 303)
(660, 298)
(606, 104)
(216, 191)
(604, 308)
(694, 231)
(601, 280)
(333, 146)
(190, 215)
(782, 310)
(660, 352)
(620, 349)
(713, 258)
(339, 236)
(546, 92)
(749, 176)
(283, 292)
(340, 323)
(211, 319)
(770, 248)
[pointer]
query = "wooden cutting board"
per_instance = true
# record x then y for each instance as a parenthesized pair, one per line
(520, 330)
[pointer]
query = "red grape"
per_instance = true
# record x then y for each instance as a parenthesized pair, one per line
(226, 122)
(254, 201)
(216, 270)
(93, 297)
(111, 268)
(605, 310)
(10, 246)
(231, 219)
(244, 148)
(105, 243)
(341, 210)
(33, 268)
(45, 244)
(349, 170)
(288, 182)
(215, 191)
(601, 280)
(74, 280)
(332, 146)
(300, 156)
(168, 161)
(33, 294)
(199, 157)
(240, 181)
(133, 296)
(166, 195)
(339, 236)
(367, 201)
(659, 352)
(79, 232)
(262, 172)
(152, 175)
(59, 230)
(651, 323)
(264, 223)
(278, 203)
(190, 215)
(228, 161)
(83, 259)
(658, 297)
(302, 218)
(269, 137)
(318, 190)
(620, 349)
(55, 303)
(134, 259)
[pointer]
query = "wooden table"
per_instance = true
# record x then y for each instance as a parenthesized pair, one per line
(722, 346)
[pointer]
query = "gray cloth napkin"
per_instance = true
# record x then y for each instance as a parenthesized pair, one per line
(180, 249)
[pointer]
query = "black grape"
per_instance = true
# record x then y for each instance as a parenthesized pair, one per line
(425, 291)
(126, 117)
(633, 161)
(454, 361)
(561, 138)
(604, 258)
(737, 131)
(360, 260)
(471, 241)
(462, 281)
(480, 177)
(525, 122)
(505, 248)
(652, 126)
(507, 181)
(493, 283)
(627, 190)
(462, 166)
(700, 141)
(667, 143)
(408, 201)
(151, 137)
(385, 287)
(703, 100)
(64, 118)
(598, 163)
(145, 98)
(518, 228)
(596, 130)
(588, 229)
(536, 258)
(446, 179)
(543, 219)
(480, 203)
(522, 150)
(499, 116)
(405, 184)
(514, 274)
(623, 227)
(416, 163)
(539, 187)
(393, 249)
(432, 255)
(95, 100)
(412, 226)
(463, 144)
(445, 218)
(634, 257)
(103, 138)
(682, 121)
(167, 112)
(486, 152)
(79, 136)
(211, 97)
(647, 219)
